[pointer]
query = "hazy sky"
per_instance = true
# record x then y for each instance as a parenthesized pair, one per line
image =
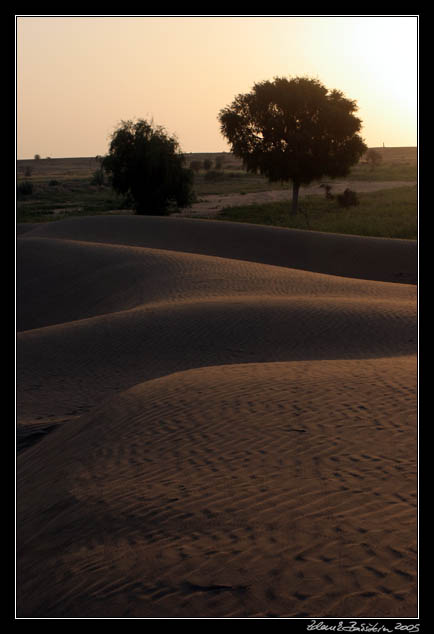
(78, 77)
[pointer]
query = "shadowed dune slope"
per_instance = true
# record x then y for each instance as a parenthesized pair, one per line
(336, 254)
(63, 280)
(232, 435)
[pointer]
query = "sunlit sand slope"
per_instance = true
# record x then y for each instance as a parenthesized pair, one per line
(230, 436)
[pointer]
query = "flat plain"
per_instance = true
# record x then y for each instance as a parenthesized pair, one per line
(387, 193)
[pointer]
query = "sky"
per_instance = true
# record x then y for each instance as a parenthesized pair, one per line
(78, 77)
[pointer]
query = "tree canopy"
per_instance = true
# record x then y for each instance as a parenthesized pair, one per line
(145, 164)
(294, 130)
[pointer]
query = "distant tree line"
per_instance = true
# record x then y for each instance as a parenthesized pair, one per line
(197, 165)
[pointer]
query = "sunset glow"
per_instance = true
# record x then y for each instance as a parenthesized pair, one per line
(79, 76)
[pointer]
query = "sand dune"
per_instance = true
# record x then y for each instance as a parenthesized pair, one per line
(349, 256)
(226, 421)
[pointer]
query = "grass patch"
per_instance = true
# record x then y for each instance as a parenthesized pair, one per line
(232, 182)
(52, 189)
(388, 213)
(53, 202)
(385, 172)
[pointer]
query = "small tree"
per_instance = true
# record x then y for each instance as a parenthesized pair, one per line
(145, 165)
(294, 130)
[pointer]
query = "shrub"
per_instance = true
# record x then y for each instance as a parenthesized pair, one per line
(328, 190)
(347, 199)
(24, 189)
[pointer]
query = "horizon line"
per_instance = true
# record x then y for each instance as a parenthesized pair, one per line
(32, 158)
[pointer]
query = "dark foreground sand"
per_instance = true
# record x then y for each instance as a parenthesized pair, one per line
(228, 417)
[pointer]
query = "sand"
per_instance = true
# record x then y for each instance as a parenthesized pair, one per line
(215, 420)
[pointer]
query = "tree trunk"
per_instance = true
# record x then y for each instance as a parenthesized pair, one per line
(295, 190)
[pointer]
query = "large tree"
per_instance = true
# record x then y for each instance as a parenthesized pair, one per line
(145, 164)
(294, 130)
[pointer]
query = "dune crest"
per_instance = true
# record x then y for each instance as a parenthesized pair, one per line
(361, 257)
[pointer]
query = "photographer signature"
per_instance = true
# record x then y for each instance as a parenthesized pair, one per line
(353, 626)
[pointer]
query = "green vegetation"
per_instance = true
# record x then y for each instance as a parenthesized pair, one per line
(232, 182)
(53, 200)
(388, 213)
(145, 165)
(24, 189)
(406, 171)
(59, 188)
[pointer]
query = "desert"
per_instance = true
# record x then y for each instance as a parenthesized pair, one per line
(215, 420)
(217, 320)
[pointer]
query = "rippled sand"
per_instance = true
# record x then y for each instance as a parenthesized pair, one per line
(215, 420)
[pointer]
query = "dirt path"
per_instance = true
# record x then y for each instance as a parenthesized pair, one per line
(210, 206)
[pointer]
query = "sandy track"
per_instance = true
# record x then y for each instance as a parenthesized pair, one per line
(234, 437)
(210, 206)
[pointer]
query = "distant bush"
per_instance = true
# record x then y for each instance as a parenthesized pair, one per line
(328, 190)
(213, 176)
(24, 189)
(373, 158)
(347, 199)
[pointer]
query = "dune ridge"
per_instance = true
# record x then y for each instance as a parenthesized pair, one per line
(232, 435)
(378, 259)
